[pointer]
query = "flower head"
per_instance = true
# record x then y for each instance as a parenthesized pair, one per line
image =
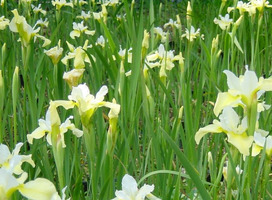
(19, 25)
(13, 161)
(3, 22)
(223, 22)
(192, 34)
(13, 177)
(38, 9)
(130, 190)
(78, 54)
(243, 90)
(85, 16)
(229, 124)
(53, 127)
(54, 53)
(79, 28)
(60, 3)
(73, 77)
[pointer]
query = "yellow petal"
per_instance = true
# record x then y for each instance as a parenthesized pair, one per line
(241, 141)
(212, 128)
(265, 84)
(89, 32)
(40, 189)
(66, 104)
(36, 134)
(256, 149)
(225, 99)
(74, 33)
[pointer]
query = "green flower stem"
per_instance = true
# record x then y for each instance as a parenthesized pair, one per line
(231, 170)
(89, 138)
(256, 53)
(252, 115)
(26, 51)
(58, 152)
(266, 172)
(56, 85)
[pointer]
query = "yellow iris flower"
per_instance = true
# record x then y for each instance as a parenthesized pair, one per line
(19, 25)
(243, 90)
(53, 127)
(229, 124)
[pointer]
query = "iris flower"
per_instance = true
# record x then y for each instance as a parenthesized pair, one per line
(79, 28)
(60, 3)
(160, 34)
(54, 53)
(78, 54)
(52, 125)
(85, 16)
(130, 190)
(38, 189)
(261, 140)
(223, 22)
(73, 77)
(38, 9)
(172, 24)
(86, 102)
(13, 161)
(243, 90)
(19, 25)
(13, 177)
(192, 34)
(229, 124)
(3, 22)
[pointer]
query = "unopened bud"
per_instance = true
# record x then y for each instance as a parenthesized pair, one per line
(180, 112)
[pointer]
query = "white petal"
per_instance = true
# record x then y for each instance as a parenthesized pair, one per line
(129, 185)
(4, 153)
(145, 190)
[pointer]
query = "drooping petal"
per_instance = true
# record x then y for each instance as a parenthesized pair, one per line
(269, 146)
(74, 33)
(36, 134)
(265, 84)
(39, 189)
(89, 32)
(256, 149)
(242, 142)
(66, 104)
(212, 128)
